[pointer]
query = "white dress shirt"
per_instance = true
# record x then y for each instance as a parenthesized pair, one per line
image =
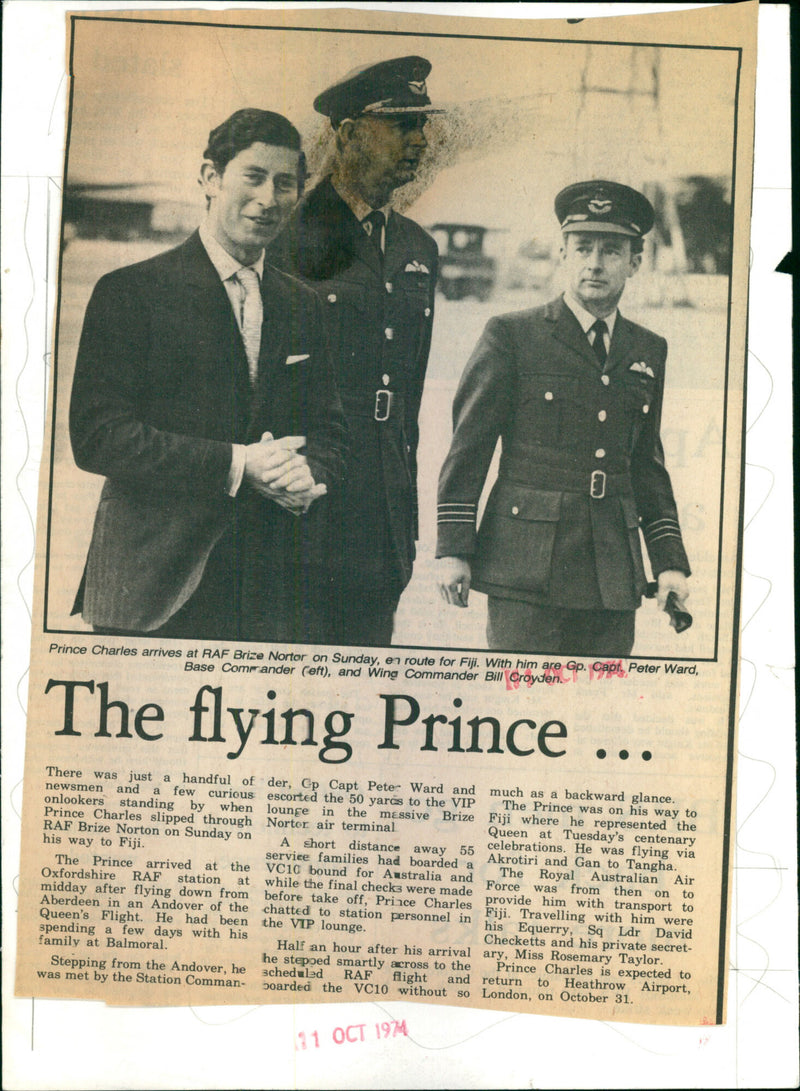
(587, 320)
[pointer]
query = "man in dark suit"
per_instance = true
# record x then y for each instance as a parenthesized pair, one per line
(574, 390)
(204, 394)
(375, 273)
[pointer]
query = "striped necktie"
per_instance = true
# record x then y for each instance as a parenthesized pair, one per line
(252, 313)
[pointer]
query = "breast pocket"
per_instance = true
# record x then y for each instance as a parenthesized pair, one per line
(637, 401)
(516, 537)
(413, 294)
(416, 288)
(547, 404)
(345, 313)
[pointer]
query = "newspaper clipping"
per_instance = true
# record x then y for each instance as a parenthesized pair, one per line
(386, 621)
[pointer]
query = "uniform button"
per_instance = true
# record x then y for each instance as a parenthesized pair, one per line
(604, 379)
(385, 380)
(515, 510)
(599, 453)
(601, 415)
(388, 286)
(389, 333)
(645, 408)
(548, 396)
(427, 312)
(332, 297)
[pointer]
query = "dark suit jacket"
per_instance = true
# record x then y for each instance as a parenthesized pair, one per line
(534, 381)
(161, 391)
(379, 322)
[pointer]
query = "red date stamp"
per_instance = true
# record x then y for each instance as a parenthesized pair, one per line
(355, 1032)
(556, 673)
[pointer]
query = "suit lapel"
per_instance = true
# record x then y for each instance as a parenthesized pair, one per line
(567, 329)
(356, 240)
(622, 345)
(275, 342)
(210, 319)
(324, 238)
(364, 248)
(396, 248)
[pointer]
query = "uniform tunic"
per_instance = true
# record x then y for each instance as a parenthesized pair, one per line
(379, 313)
(582, 466)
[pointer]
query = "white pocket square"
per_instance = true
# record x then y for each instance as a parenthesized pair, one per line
(417, 267)
(643, 369)
(297, 359)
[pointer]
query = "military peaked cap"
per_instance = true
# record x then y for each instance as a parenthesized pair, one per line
(389, 87)
(604, 206)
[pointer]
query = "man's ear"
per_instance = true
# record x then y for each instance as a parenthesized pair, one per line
(636, 261)
(209, 178)
(345, 132)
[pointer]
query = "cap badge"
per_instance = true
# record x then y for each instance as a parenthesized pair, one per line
(600, 208)
(417, 87)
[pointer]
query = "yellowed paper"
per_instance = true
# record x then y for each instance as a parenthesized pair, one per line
(437, 822)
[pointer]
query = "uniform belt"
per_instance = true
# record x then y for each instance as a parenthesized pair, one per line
(381, 405)
(594, 483)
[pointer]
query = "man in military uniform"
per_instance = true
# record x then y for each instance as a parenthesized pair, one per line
(574, 390)
(375, 272)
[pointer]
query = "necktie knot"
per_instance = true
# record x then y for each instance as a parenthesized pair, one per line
(375, 219)
(374, 223)
(599, 344)
(248, 277)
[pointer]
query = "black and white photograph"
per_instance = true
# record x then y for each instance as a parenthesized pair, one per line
(476, 397)
(400, 656)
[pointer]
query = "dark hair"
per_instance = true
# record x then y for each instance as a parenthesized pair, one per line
(247, 127)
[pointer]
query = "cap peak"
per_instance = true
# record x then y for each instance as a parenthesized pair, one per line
(601, 205)
(395, 86)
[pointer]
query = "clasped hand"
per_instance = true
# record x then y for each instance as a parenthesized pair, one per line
(277, 470)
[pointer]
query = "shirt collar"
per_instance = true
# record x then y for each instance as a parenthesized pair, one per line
(226, 264)
(586, 319)
(357, 205)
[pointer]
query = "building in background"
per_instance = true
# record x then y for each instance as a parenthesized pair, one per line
(125, 212)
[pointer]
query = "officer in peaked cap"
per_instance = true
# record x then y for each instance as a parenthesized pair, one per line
(387, 88)
(375, 272)
(574, 390)
(604, 208)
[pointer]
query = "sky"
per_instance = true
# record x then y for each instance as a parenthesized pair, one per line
(524, 118)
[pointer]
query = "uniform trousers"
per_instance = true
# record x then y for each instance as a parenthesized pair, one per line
(365, 617)
(525, 627)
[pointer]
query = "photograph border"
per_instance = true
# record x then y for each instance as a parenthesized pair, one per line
(74, 19)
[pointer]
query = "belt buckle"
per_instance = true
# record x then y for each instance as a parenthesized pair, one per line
(383, 404)
(597, 484)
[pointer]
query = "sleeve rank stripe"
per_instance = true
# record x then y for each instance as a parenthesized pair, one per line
(664, 534)
(661, 522)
